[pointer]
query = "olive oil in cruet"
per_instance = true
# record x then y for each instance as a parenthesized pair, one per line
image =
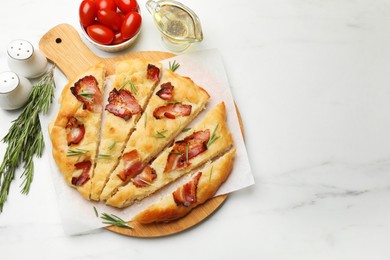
(179, 26)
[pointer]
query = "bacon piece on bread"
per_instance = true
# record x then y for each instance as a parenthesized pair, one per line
(87, 91)
(133, 165)
(145, 178)
(85, 166)
(166, 91)
(172, 111)
(122, 104)
(153, 72)
(74, 131)
(186, 194)
(186, 149)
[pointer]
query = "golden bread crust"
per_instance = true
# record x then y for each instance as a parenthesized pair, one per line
(71, 107)
(213, 176)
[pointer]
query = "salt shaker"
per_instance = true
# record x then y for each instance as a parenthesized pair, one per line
(24, 60)
(14, 90)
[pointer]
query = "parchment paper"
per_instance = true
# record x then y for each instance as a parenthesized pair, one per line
(206, 69)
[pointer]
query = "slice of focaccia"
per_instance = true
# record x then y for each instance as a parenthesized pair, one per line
(201, 187)
(76, 129)
(208, 139)
(134, 83)
(175, 103)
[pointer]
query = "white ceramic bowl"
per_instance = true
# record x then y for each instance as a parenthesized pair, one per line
(112, 48)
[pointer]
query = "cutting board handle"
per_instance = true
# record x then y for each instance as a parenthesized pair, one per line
(63, 46)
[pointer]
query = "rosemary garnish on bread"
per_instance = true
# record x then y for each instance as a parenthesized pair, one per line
(174, 66)
(213, 137)
(111, 219)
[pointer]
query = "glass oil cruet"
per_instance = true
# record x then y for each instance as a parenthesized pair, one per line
(179, 26)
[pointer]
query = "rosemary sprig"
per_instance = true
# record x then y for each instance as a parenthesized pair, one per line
(24, 139)
(132, 86)
(213, 137)
(174, 66)
(160, 134)
(86, 95)
(76, 152)
(112, 145)
(211, 173)
(96, 212)
(187, 149)
(125, 82)
(111, 219)
(114, 220)
(103, 156)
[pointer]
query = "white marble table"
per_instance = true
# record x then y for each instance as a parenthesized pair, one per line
(311, 79)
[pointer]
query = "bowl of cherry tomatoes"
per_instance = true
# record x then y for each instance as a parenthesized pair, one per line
(110, 25)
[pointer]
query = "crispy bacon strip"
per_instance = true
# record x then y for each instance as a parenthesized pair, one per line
(175, 160)
(74, 131)
(87, 91)
(186, 149)
(186, 194)
(132, 165)
(122, 104)
(145, 178)
(166, 91)
(203, 135)
(153, 72)
(85, 166)
(172, 111)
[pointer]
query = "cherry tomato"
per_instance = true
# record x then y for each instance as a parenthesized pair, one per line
(117, 39)
(105, 4)
(131, 25)
(127, 6)
(110, 19)
(87, 12)
(100, 33)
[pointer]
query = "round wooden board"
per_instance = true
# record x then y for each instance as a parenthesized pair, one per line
(63, 46)
(196, 216)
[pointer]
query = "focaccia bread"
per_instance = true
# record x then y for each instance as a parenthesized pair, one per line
(134, 142)
(75, 131)
(134, 83)
(201, 187)
(176, 102)
(208, 139)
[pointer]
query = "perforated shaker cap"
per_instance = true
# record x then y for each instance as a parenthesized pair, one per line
(20, 49)
(8, 81)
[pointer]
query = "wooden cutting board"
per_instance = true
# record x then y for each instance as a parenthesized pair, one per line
(63, 46)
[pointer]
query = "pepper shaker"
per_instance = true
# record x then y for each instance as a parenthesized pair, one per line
(24, 60)
(14, 90)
